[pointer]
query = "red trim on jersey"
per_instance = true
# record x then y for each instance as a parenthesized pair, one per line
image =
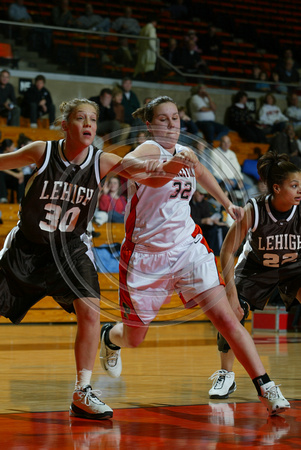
(130, 222)
(127, 309)
(203, 241)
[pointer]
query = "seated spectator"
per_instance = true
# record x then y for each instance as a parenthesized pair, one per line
(62, 16)
(8, 102)
(271, 118)
(293, 111)
(226, 167)
(276, 86)
(172, 53)
(204, 153)
(288, 74)
(139, 139)
(10, 179)
(211, 43)
(191, 61)
(262, 84)
(37, 102)
(187, 126)
(147, 51)
(17, 12)
(126, 24)
(191, 37)
(91, 21)
(27, 170)
(203, 109)
(118, 107)
(107, 122)
(212, 224)
(287, 142)
(124, 56)
(111, 205)
(241, 119)
(131, 103)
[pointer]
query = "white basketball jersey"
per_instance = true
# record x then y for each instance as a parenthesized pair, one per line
(159, 218)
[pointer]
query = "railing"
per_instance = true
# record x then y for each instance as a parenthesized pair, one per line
(91, 53)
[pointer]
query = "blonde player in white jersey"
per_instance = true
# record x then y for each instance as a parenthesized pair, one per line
(164, 250)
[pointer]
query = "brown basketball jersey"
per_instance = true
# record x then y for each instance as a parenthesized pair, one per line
(61, 197)
(272, 247)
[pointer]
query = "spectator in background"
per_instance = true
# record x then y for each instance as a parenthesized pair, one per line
(213, 227)
(17, 12)
(286, 142)
(139, 139)
(187, 126)
(270, 116)
(226, 167)
(288, 74)
(38, 102)
(91, 21)
(62, 16)
(262, 84)
(8, 102)
(27, 170)
(111, 205)
(124, 56)
(10, 179)
(119, 113)
(126, 24)
(211, 43)
(191, 61)
(241, 119)
(131, 103)
(147, 51)
(172, 53)
(107, 122)
(191, 37)
(203, 109)
(293, 111)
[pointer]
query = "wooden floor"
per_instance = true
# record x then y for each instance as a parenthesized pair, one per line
(160, 401)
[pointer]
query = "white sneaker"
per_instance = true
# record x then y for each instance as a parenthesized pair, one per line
(33, 125)
(110, 359)
(87, 404)
(223, 384)
(273, 399)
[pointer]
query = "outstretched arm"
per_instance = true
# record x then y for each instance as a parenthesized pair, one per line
(145, 166)
(207, 180)
(231, 244)
(29, 154)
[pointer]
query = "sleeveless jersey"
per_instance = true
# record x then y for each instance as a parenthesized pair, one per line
(159, 218)
(270, 243)
(61, 197)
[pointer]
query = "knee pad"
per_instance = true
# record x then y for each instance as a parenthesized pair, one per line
(222, 344)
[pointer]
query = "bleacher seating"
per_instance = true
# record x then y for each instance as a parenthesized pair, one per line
(246, 40)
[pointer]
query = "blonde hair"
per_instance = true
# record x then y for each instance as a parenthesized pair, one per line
(67, 108)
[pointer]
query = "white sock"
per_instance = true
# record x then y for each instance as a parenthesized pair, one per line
(83, 378)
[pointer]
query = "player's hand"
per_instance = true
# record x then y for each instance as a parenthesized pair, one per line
(236, 212)
(186, 157)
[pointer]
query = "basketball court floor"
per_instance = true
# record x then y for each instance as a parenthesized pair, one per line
(160, 401)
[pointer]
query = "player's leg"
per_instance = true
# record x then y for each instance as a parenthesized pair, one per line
(113, 337)
(217, 308)
(223, 380)
(86, 402)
